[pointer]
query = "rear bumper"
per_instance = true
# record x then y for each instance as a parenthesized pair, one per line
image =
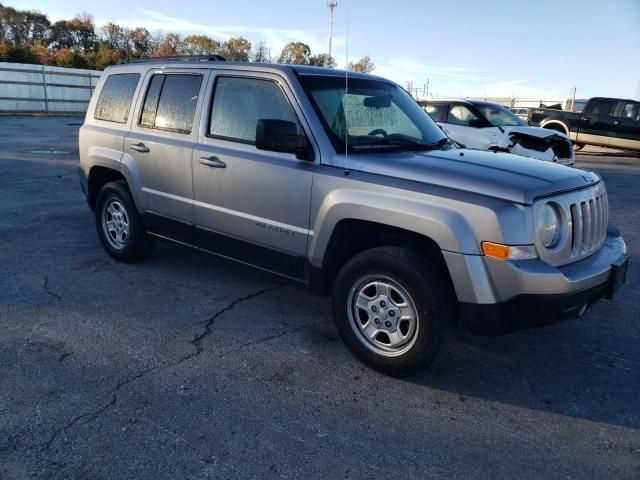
(505, 296)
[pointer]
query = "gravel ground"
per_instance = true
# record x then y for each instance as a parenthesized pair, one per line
(188, 366)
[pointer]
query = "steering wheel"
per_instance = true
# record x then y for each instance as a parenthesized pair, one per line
(378, 131)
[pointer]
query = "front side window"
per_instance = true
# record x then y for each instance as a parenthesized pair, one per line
(238, 104)
(462, 115)
(116, 97)
(437, 112)
(499, 116)
(371, 116)
(170, 103)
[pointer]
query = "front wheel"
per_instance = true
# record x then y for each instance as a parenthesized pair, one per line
(119, 227)
(391, 306)
(578, 146)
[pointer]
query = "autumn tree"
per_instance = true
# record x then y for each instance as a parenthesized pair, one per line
(261, 53)
(117, 38)
(236, 49)
(141, 41)
(4, 51)
(297, 53)
(322, 60)
(199, 45)
(23, 27)
(77, 34)
(364, 65)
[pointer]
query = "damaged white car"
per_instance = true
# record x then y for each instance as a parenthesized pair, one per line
(489, 126)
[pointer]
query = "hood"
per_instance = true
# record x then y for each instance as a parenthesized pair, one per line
(533, 131)
(499, 175)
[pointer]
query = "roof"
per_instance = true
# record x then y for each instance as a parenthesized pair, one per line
(273, 67)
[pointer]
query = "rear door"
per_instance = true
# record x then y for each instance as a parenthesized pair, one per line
(627, 126)
(597, 123)
(250, 204)
(159, 149)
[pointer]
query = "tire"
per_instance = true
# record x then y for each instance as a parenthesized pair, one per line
(127, 241)
(378, 281)
(578, 146)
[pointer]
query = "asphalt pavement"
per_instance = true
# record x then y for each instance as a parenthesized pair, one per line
(187, 366)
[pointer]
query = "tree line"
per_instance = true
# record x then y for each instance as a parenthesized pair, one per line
(28, 36)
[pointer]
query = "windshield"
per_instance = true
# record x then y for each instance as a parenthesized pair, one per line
(499, 116)
(374, 116)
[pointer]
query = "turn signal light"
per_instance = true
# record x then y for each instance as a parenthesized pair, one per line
(508, 252)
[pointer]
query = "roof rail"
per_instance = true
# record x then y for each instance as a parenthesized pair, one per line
(214, 57)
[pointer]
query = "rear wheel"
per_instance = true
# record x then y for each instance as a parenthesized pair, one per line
(391, 306)
(119, 227)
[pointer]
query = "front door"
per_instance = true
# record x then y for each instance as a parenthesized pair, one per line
(251, 205)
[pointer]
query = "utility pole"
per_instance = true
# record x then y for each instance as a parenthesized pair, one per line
(331, 4)
(572, 93)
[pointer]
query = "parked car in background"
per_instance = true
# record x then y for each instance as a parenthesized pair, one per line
(607, 122)
(489, 126)
(521, 112)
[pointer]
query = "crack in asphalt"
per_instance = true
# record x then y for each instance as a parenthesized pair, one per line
(63, 356)
(196, 342)
(46, 288)
(264, 340)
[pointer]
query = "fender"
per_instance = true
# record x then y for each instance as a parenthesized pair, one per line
(444, 225)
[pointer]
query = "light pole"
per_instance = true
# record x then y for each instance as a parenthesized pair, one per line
(331, 4)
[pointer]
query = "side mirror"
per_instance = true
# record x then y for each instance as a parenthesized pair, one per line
(282, 136)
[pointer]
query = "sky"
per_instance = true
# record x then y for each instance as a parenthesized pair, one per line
(474, 48)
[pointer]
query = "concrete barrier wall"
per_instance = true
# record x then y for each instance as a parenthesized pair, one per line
(29, 89)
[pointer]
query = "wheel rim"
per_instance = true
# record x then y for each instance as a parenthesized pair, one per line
(115, 223)
(383, 315)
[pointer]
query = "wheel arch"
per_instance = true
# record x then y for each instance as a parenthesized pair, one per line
(352, 236)
(98, 177)
(557, 125)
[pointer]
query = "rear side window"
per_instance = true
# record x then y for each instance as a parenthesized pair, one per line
(170, 103)
(437, 112)
(116, 97)
(238, 104)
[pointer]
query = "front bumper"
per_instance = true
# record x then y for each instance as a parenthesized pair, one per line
(501, 297)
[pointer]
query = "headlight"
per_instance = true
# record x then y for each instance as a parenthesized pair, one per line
(549, 226)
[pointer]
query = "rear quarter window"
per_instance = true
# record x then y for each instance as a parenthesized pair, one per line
(115, 97)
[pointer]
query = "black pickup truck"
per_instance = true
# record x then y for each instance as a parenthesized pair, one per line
(608, 122)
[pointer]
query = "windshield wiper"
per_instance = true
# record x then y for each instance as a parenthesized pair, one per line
(405, 142)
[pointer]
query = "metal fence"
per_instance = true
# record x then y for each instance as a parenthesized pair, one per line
(39, 89)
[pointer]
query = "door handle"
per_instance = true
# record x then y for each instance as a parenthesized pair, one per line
(213, 162)
(139, 147)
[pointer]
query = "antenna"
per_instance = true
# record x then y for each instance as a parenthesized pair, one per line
(331, 4)
(346, 93)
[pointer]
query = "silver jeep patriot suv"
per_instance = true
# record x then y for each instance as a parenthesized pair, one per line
(342, 182)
